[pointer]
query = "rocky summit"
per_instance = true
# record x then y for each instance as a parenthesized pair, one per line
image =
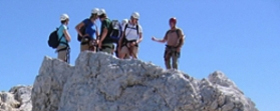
(101, 82)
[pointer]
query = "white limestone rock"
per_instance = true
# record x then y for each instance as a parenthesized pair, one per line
(17, 99)
(100, 82)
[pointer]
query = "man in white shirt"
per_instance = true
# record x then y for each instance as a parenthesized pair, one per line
(131, 37)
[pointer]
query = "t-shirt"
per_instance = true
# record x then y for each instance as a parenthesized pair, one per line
(90, 28)
(172, 37)
(131, 32)
(60, 33)
(106, 24)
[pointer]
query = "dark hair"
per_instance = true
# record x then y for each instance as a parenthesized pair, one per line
(93, 15)
(102, 16)
(63, 21)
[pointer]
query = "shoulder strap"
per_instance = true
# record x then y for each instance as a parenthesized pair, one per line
(125, 27)
(177, 31)
(120, 30)
(137, 28)
(60, 37)
(178, 34)
(120, 26)
(168, 32)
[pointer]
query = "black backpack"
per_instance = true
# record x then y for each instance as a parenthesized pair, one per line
(116, 31)
(53, 39)
(83, 30)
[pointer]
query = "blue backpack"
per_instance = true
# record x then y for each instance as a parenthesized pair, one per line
(116, 31)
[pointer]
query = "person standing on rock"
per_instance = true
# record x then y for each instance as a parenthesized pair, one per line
(175, 40)
(124, 22)
(131, 37)
(87, 29)
(105, 44)
(63, 48)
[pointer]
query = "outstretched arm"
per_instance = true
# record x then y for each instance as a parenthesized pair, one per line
(159, 40)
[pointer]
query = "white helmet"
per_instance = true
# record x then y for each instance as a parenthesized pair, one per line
(95, 11)
(124, 21)
(101, 11)
(64, 17)
(135, 15)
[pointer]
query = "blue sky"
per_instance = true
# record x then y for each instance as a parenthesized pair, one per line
(239, 37)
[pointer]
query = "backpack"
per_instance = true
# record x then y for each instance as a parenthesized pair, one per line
(83, 30)
(116, 31)
(53, 39)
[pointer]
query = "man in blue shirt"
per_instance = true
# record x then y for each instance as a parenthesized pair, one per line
(88, 30)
